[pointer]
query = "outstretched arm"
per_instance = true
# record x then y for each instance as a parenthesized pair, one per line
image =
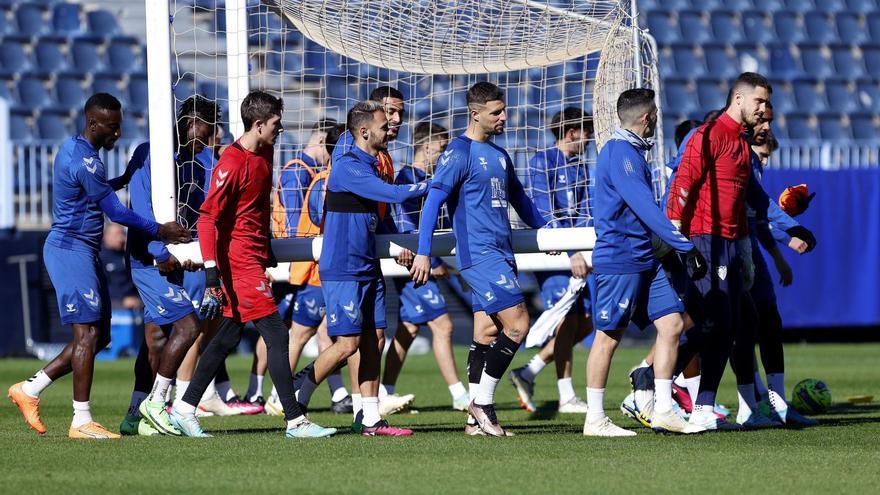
(521, 202)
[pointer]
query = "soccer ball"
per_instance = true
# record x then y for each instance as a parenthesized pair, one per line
(811, 396)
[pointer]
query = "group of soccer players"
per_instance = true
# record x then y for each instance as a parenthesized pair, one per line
(691, 266)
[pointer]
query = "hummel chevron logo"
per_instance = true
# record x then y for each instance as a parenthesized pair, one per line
(173, 295)
(88, 162)
(312, 307)
(447, 155)
(624, 304)
(221, 178)
(350, 311)
(263, 289)
(433, 299)
(93, 299)
(504, 282)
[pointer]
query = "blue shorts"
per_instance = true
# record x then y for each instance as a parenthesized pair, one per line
(762, 289)
(639, 298)
(354, 306)
(722, 287)
(553, 287)
(305, 306)
(80, 285)
(194, 283)
(420, 305)
(494, 285)
(165, 299)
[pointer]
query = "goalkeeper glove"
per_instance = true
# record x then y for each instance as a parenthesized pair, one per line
(795, 200)
(214, 299)
(696, 264)
(803, 234)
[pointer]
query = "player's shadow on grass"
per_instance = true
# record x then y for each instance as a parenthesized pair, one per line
(855, 409)
(546, 411)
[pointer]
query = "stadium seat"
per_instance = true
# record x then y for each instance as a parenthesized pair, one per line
(864, 126)
(819, 27)
(788, 26)
(840, 94)
(830, 6)
(694, 26)
(137, 93)
(871, 57)
(753, 57)
(801, 126)
(816, 60)
(107, 83)
(213, 90)
(85, 55)
(102, 23)
(261, 23)
(123, 55)
(280, 60)
(53, 126)
(49, 56)
(711, 93)
(133, 127)
(721, 61)
(834, 126)
(688, 63)
(868, 95)
(183, 88)
(707, 5)
(783, 96)
(69, 92)
(861, 6)
(808, 95)
(13, 56)
(5, 25)
(32, 92)
(782, 61)
(799, 5)
(31, 19)
(65, 18)
(726, 27)
(873, 20)
(757, 27)
(847, 61)
(19, 125)
(851, 27)
(661, 25)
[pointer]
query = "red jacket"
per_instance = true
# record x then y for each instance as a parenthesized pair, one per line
(708, 194)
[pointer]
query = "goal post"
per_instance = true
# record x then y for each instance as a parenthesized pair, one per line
(321, 56)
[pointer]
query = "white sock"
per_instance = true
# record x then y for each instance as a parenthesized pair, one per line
(456, 390)
(210, 391)
(160, 387)
(168, 393)
(759, 385)
(225, 390)
(337, 387)
(386, 390)
(357, 404)
(472, 395)
(776, 391)
(136, 399)
(747, 402)
(595, 404)
(304, 394)
(255, 387)
(35, 385)
(566, 390)
(693, 386)
(371, 410)
(82, 414)
(662, 395)
(295, 421)
(184, 407)
(680, 380)
(486, 390)
(531, 370)
(180, 387)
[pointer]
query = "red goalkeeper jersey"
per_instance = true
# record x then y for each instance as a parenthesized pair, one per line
(233, 227)
(708, 194)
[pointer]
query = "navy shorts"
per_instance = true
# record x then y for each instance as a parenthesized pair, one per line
(553, 287)
(305, 306)
(494, 285)
(165, 299)
(80, 285)
(722, 287)
(420, 305)
(640, 298)
(354, 306)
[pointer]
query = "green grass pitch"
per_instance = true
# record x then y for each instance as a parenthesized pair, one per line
(547, 455)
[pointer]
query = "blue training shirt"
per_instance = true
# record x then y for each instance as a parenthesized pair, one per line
(351, 216)
(559, 188)
(477, 180)
(79, 183)
(625, 213)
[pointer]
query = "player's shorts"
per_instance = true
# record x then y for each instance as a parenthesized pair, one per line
(494, 285)
(194, 283)
(639, 298)
(354, 306)
(553, 287)
(762, 291)
(722, 287)
(249, 297)
(80, 285)
(165, 299)
(420, 305)
(305, 306)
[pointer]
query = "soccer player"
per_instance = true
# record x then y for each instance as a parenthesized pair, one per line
(559, 190)
(707, 201)
(423, 305)
(351, 276)
(631, 286)
(82, 196)
(234, 238)
(478, 179)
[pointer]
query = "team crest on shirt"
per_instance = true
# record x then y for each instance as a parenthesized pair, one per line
(90, 164)
(722, 272)
(221, 178)
(503, 162)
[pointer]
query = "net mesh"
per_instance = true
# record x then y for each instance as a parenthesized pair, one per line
(322, 56)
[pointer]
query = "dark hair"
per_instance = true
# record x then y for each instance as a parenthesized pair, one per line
(483, 92)
(196, 106)
(102, 101)
(332, 138)
(682, 130)
(362, 113)
(424, 131)
(568, 119)
(772, 142)
(259, 105)
(713, 115)
(634, 103)
(324, 125)
(385, 92)
(750, 80)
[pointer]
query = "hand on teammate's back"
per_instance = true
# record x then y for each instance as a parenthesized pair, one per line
(168, 266)
(696, 263)
(420, 270)
(173, 233)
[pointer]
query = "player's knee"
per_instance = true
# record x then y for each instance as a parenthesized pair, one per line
(348, 345)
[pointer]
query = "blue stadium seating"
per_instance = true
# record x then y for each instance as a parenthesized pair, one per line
(49, 56)
(864, 125)
(661, 25)
(851, 27)
(102, 23)
(801, 126)
(873, 20)
(123, 55)
(861, 6)
(807, 95)
(871, 56)
(721, 61)
(840, 94)
(868, 95)
(788, 26)
(687, 62)
(69, 92)
(847, 61)
(832, 126)
(19, 126)
(66, 19)
(107, 83)
(33, 93)
(782, 61)
(85, 55)
(726, 28)
(757, 27)
(694, 26)
(711, 93)
(31, 18)
(783, 96)
(798, 5)
(137, 93)
(53, 125)
(816, 60)
(819, 27)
